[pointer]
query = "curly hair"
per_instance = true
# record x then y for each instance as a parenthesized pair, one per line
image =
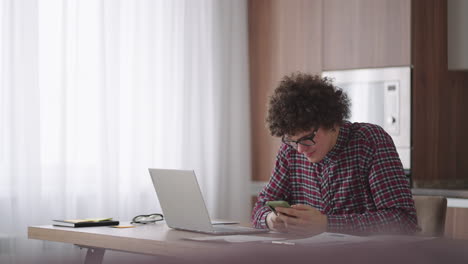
(302, 102)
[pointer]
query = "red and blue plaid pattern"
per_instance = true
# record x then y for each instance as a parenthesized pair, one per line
(360, 185)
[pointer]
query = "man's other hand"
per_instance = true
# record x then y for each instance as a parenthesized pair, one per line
(275, 223)
(302, 219)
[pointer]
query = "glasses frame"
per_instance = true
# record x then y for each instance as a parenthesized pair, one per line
(295, 143)
(134, 221)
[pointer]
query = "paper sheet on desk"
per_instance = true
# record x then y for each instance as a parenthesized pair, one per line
(325, 238)
(400, 238)
(234, 239)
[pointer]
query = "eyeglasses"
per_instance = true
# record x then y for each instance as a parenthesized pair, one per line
(145, 219)
(304, 141)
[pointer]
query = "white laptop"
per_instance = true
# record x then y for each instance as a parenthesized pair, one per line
(183, 205)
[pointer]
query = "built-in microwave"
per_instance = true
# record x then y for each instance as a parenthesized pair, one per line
(381, 96)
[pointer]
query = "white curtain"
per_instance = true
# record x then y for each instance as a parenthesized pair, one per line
(93, 93)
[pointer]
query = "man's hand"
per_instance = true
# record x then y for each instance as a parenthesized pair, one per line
(302, 219)
(275, 223)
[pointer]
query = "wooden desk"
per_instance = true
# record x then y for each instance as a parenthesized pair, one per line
(158, 239)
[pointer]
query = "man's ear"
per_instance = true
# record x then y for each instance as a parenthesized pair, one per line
(335, 127)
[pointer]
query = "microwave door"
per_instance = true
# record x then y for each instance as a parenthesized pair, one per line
(367, 100)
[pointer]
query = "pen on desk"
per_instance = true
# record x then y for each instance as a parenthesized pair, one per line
(336, 235)
(283, 243)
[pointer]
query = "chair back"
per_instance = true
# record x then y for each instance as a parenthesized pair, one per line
(431, 211)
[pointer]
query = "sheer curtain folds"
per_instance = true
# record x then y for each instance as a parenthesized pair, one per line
(93, 93)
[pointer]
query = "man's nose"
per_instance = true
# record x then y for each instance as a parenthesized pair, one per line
(301, 148)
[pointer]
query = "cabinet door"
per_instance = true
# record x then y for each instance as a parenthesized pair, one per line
(366, 33)
(284, 37)
(439, 103)
(456, 223)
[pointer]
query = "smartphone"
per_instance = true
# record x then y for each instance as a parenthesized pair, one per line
(273, 204)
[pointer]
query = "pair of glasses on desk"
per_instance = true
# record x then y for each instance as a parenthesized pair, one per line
(145, 219)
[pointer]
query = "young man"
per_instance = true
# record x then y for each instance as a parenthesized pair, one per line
(338, 176)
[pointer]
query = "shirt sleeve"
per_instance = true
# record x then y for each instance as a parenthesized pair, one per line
(276, 189)
(390, 188)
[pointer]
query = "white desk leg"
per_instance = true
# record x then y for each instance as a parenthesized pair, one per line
(94, 255)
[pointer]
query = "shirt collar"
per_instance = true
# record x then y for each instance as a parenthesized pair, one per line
(341, 142)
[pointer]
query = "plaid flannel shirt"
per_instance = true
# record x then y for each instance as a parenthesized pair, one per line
(360, 184)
